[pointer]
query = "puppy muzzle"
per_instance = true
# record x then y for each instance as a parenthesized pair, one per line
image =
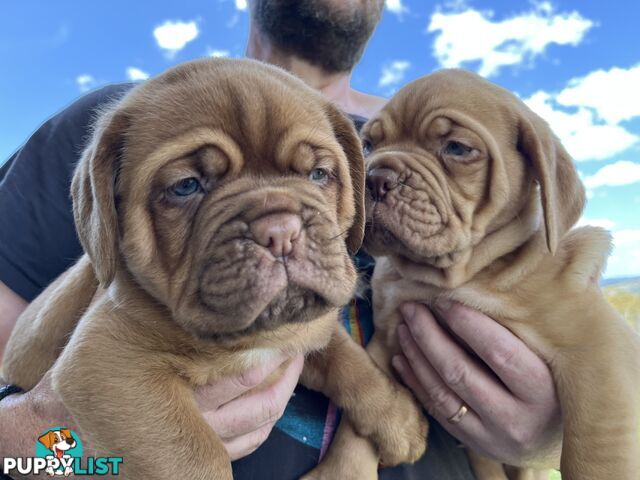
(278, 258)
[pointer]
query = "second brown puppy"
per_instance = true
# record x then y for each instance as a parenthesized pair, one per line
(472, 199)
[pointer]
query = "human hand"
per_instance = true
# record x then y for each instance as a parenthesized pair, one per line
(513, 410)
(25, 416)
(243, 415)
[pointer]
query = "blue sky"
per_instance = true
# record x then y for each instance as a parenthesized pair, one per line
(577, 63)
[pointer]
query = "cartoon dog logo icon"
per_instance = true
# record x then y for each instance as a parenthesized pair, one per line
(59, 441)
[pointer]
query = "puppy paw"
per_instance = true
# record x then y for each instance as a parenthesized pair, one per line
(400, 433)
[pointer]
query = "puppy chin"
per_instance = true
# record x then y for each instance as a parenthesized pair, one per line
(292, 305)
(269, 292)
(379, 241)
(436, 249)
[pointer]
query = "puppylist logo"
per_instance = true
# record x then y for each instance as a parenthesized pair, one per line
(59, 453)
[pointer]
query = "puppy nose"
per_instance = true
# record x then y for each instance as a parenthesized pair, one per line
(380, 181)
(277, 232)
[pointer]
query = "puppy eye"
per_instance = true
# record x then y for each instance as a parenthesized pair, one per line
(186, 187)
(456, 149)
(367, 147)
(319, 175)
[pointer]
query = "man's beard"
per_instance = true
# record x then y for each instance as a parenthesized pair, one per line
(330, 37)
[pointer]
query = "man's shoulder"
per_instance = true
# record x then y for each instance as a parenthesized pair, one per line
(100, 97)
(66, 133)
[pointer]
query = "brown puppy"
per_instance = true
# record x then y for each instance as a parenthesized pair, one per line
(216, 203)
(471, 199)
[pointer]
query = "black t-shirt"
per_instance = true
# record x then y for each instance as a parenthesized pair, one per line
(38, 242)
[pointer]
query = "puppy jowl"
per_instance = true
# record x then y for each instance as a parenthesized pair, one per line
(59, 453)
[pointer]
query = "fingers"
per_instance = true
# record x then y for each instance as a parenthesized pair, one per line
(521, 370)
(243, 415)
(244, 445)
(210, 397)
(257, 409)
(423, 380)
(244, 424)
(47, 402)
(441, 361)
(512, 420)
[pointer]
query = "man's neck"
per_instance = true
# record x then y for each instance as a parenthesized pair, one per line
(335, 86)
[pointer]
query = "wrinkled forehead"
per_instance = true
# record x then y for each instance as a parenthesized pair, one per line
(463, 96)
(254, 107)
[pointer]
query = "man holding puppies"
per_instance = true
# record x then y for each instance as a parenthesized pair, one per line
(320, 41)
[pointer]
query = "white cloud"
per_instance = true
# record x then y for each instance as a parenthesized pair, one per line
(233, 21)
(241, 4)
(625, 259)
(473, 36)
(622, 172)
(86, 82)
(393, 73)
(595, 105)
(174, 36)
(212, 52)
(582, 135)
(396, 6)
(613, 93)
(135, 74)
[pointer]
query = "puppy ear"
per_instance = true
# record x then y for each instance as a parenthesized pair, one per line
(93, 194)
(66, 432)
(48, 439)
(561, 191)
(346, 134)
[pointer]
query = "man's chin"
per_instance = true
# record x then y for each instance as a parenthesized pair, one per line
(316, 30)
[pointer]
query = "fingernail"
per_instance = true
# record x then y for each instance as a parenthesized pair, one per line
(408, 311)
(443, 305)
(397, 363)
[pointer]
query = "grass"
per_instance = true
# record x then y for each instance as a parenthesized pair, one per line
(626, 301)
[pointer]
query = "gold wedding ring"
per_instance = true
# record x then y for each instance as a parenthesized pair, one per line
(462, 411)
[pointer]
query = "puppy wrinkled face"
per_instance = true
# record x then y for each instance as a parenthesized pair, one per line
(437, 157)
(421, 186)
(231, 189)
